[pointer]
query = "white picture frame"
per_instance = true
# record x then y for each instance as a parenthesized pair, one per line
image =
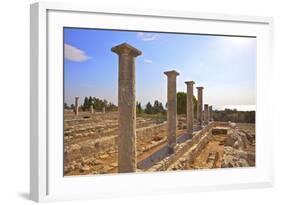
(47, 182)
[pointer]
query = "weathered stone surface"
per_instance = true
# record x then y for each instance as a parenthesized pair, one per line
(189, 107)
(237, 139)
(237, 158)
(200, 105)
(172, 107)
(104, 156)
(126, 107)
(92, 110)
(85, 168)
(232, 125)
(87, 140)
(219, 131)
(212, 159)
(76, 108)
(206, 113)
(210, 113)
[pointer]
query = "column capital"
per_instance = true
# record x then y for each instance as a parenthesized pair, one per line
(189, 82)
(171, 73)
(200, 88)
(126, 49)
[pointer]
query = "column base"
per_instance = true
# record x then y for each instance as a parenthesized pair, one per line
(171, 150)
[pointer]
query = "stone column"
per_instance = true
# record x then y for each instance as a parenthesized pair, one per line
(172, 108)
(103, 110)
(200, 105)
(189, 107)
(211, 113)
(206, 113)
(92, 109)
(126, 107)
(76, 108)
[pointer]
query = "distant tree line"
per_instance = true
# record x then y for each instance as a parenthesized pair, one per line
(98, 104)
(234, 116)
(156, 108)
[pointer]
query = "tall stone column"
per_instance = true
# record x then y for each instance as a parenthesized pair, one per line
(126, 107)
(206, 113)
(211, 113)
(76, 108)
(189, 107)
(172, 108)
(200, 105)
(103, 110)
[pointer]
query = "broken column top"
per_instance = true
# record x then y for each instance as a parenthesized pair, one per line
(171, 73)
(76, 97)
(200, 88)
(125, 48)
(189, 82)
(206, 105)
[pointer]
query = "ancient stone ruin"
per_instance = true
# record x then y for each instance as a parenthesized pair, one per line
(172, 108)
(127, 107)
(111, 142)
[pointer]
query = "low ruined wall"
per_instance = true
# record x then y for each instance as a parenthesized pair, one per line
(198, 139)
(154, 135)
(97, 147)
(188, 157)
(199, 144)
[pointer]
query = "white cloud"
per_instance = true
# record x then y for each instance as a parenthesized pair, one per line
(74, 54)
(147, 36)
(147, 61)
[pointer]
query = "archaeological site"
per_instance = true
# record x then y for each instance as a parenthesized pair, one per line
(183, 133)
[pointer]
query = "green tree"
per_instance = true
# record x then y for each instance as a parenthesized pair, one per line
(234, 116)
(86, 104)
(138, 108)
(181, 103)
(161, 108)
(90, 100)
(148, 108)
(111, 107)
(65, 106)
(156, 107)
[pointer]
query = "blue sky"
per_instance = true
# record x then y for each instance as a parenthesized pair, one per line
(225, 66)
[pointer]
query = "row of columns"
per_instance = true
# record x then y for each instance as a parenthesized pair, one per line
(203, 115)
(208, 113)
(127, 107)
(172, 108)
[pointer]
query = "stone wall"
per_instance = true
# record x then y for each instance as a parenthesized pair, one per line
(199, 139)
(147, 138)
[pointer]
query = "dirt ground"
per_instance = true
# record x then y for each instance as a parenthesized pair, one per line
(214, 150)
(105, 125)
(212, 155)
